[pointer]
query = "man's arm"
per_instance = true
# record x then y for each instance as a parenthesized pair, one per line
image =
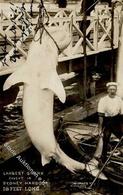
(101, 114)
(100, 122)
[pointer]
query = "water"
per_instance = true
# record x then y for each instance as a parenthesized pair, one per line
(11, 121)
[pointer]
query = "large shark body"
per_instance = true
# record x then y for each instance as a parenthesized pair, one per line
(41, 82)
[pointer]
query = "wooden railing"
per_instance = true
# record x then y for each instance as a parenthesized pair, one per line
(17, 23)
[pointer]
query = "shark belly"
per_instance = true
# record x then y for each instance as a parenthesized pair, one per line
(38, 117)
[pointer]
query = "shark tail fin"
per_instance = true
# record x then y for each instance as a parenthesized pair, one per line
(44, 160)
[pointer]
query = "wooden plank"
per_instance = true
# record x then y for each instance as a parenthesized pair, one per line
(81, 34)
(79, 112)
(70, 81)
(15, 146)
(12, 44)
(80, 55)
(101, 42)
(95, 35)
(7, 70)
(81, 130)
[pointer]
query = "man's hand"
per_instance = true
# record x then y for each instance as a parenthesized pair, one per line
(100, 131)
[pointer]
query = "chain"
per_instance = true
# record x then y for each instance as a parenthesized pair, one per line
(40, 23)
(31, 6)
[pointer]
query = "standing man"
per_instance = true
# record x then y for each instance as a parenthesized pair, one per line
(110, 119)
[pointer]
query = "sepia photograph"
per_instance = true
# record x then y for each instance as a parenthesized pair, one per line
(61, 97)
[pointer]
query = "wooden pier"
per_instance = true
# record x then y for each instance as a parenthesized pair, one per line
(98, 41)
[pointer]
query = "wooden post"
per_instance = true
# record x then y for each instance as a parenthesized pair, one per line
(84, 50)
(112, 43)
(95, 35)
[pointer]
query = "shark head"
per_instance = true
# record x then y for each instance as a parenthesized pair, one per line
(41, 62)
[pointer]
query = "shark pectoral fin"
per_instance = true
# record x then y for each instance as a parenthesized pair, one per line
(54, 83)
(57, 87)
(19, 76)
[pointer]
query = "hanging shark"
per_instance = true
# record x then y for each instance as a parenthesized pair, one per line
(41, 82)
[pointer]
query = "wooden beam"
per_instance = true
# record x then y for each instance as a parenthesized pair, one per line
(84, 50)
(12, 44)
(80, 111)
(82, 35)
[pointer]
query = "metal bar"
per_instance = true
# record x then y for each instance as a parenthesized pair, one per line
(106, 162)
(112, 42)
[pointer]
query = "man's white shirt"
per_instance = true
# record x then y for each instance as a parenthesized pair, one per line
(110, 106)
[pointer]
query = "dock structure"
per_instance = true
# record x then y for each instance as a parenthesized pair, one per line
(17, 23)
(17, 26)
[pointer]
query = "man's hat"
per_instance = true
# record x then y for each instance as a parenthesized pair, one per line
(111, 84)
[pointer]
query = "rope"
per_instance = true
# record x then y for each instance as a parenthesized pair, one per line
(40, 24)
(90, 6)
(52, 39)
